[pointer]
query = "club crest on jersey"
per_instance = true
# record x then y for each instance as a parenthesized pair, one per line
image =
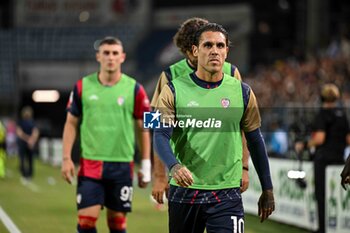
(120, 100)
(225, 102)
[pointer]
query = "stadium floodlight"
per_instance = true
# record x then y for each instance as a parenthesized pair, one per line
(45, 96)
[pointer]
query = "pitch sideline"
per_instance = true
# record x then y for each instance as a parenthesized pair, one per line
(11, 227)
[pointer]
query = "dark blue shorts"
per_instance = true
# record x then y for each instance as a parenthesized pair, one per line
(113, 190)
(226, 216)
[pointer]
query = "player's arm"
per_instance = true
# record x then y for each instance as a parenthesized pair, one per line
(165, 106)
(236, 73)
(144, 144)
(143, 137)
(160, 180)
(162, 81)
(70, 132)
(251, 125)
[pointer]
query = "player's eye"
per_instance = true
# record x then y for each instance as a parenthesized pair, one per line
(208, 45)
(115, 53)
(221, 45)
(106, 53)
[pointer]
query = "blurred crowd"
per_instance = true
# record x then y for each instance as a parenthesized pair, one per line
(296, 82)
(289, 93)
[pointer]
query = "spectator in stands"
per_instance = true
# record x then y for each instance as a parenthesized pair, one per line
(330, 136)
(27, 137)
(110, 106)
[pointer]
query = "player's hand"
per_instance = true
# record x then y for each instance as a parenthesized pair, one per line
(141, 182)
(160, 186)
(144, 174)
(345, 174)
(245, 181)
(68, 170)
(181, 175)
(266, 204)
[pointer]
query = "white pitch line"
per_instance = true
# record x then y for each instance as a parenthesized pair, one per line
(11, 227)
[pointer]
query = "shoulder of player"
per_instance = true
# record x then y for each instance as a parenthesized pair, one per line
(179, 63)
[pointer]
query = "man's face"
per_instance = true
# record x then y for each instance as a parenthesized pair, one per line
(211, 51)
(110, 57)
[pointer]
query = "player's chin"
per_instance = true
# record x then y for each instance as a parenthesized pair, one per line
(215, 68)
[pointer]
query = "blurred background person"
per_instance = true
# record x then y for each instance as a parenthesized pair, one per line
(106, 108)
(11, 142)
(2, 150)
(345, 174)
(330, 136)
(27, 137)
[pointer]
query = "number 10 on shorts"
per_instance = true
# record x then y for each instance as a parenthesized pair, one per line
(238, 224)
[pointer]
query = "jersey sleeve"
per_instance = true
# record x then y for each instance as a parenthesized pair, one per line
(141, 103)
(74, 105)
(236, 74)
(251, 117)
(162, 81)
(166, 103)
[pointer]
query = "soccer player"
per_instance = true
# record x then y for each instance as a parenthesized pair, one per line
(210, 108)
(110, 106)
(183, 39)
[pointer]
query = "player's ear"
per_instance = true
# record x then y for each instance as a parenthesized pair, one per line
(97, 56)
(227, 50)
(195, 50)
(123, 57)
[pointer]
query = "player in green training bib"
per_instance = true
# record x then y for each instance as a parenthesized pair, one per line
(183, 40)
(203, 114)
(107, 107)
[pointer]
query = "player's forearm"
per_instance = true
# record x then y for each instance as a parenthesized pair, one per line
(143, 140)
(161, 143)
(145, 145)
(158, 167)
(258, 153)
(245, 158)
(69, 135)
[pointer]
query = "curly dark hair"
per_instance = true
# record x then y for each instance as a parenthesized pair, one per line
(184, 37)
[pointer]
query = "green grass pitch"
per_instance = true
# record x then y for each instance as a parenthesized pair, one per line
(48, 205)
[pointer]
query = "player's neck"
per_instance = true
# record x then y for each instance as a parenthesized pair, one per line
(192, 65)
(209, 77)
(109, 78)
